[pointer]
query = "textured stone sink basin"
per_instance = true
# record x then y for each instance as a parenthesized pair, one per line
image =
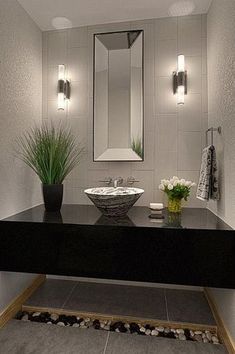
(114, 201)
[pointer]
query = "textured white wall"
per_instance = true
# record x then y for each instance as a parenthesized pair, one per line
(174, 136)
(20, 106)
(221, 107)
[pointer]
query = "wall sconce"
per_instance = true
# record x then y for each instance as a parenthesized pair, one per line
(63, 89)
(180, 80)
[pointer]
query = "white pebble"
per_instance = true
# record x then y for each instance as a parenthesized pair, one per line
(148, 332)
(205, 340)
(102, 325)
(180, 331)
(54, 317)
(173, 330)
(160, 329)
(154, 332)
(107, 327)
(25, 318)
(208, 336)
(215, 339)
(61, 324)
(191, 333)
(36, 314)
(49, 322)
(198, 337)
(182, 336)
(87, 320)
(117, 330)
(142, 329)
(167, 330)
(198, 332)
(82, 323)
(126, 325)
(76, 325)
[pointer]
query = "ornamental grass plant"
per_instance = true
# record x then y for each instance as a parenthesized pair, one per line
(50, 151)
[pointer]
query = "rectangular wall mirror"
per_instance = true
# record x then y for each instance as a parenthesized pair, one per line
(118, 96)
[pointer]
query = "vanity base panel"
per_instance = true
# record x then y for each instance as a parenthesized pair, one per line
(160, 255)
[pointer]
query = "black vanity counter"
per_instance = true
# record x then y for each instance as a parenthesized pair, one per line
(75, 214)
(195, 248)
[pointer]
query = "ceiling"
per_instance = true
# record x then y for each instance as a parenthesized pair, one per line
(74, 13)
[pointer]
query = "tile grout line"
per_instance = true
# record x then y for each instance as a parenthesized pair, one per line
(167, 313)
(68, 297)
(106, 343)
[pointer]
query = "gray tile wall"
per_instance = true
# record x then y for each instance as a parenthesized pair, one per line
(174, 136)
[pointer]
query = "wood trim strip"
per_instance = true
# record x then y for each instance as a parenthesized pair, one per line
(223, 332)
(93, 315)
(15, 305)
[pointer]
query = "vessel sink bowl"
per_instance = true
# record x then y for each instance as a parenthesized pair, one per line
(114, 202)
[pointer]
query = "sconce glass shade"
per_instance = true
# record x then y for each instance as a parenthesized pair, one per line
(63, 90)
(180, 80)
(61, 72)
(181, 61)
(180, 95)
(61, 101)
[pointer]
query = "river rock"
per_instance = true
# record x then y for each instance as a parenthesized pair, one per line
(36, 314)
(182, 336)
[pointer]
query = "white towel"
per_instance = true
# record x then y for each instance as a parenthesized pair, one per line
(208, 181)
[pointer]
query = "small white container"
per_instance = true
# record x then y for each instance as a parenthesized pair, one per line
(156, 211)
(156, 206)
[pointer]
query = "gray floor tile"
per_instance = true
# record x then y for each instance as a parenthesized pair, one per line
(53, 293)
(134, 344)
(128, 344)
(34, 338)
(188, 306)
(118, 300)
(219, 349)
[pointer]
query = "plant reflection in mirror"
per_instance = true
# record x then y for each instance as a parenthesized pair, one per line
(136, 146)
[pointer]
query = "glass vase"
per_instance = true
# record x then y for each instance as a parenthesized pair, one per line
(174, 205)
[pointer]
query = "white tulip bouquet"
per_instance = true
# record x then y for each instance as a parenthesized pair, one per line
(176, 190)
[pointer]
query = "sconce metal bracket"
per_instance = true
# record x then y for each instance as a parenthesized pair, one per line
(64, 87)
(180, 79)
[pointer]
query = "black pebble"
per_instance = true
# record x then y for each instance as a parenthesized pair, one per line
(187, 333)
(134, 327)
(96, 324)
(122, 329)
(162, 334)
(118, 325)
(71, 320)
(63, 318)
(20, 314)
(170, 335)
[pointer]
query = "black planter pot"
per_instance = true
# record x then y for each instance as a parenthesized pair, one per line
(52, 196)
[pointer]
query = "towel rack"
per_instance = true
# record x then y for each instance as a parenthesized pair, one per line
(212, 130)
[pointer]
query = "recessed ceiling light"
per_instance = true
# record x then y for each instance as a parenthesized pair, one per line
(182, 8)
(61, 23)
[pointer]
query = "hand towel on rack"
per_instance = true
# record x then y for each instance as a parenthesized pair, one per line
(208, 180)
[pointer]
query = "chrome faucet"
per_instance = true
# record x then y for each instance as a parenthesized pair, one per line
(117, 181)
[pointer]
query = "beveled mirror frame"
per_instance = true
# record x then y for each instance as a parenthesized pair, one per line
(94, 92)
